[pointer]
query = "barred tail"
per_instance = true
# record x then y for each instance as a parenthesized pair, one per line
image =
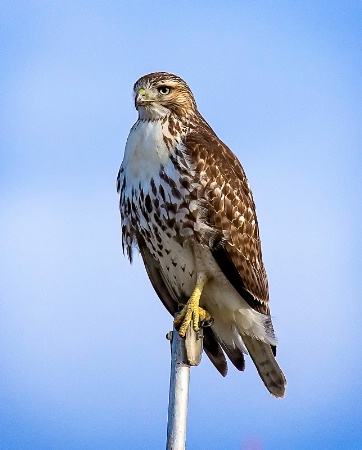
(266, 365)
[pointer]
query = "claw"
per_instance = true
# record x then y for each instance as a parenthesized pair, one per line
(208, 321)
(191, 311)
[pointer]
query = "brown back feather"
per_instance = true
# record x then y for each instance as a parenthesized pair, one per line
(227, 197)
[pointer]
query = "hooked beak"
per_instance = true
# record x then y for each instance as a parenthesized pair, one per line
(142, 98)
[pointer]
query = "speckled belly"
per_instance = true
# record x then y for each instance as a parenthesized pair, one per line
(177, 262)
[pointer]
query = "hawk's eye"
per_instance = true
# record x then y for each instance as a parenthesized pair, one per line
(164, 90)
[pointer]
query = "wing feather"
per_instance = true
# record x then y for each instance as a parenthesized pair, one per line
(228, 200)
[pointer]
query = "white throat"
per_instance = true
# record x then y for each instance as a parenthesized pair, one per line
(145, 152)
(152, 111)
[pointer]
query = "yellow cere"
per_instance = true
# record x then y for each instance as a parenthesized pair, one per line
(141, 91)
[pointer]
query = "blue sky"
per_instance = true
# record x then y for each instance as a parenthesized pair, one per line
(84, 363)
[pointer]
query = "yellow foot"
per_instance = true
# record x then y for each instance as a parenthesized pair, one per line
(192, 311)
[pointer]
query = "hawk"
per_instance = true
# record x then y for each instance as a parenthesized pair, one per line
(185, 202)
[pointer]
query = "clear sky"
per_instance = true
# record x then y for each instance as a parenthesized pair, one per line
(84, 363)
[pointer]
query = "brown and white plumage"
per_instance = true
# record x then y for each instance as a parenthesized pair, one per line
(186, 203)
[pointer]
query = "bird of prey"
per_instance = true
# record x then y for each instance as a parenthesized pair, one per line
(185, 202)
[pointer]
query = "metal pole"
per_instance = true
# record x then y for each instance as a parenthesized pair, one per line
(178, 396)
(184, 353)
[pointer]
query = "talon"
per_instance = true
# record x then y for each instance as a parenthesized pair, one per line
(205, 317)
(179, 318)
(191, 311)
(207, 320)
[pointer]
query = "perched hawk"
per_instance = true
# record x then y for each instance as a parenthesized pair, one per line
(186, 204)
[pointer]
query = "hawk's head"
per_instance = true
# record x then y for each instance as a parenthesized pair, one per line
(160, 93)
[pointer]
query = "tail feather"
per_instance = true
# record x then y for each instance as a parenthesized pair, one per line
(266, 365)
(213, 350)
(235, 355)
